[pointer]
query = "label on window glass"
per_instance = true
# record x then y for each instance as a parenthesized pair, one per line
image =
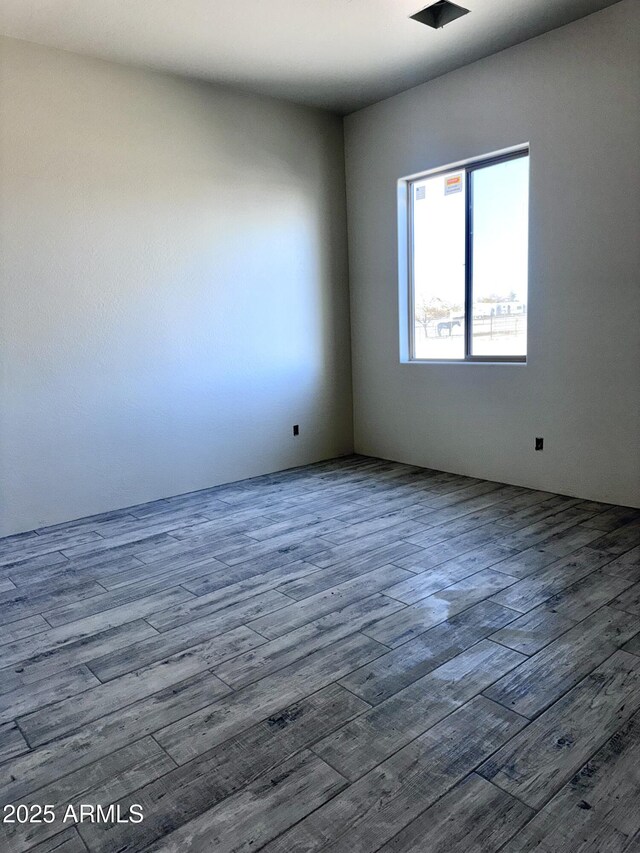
(452, 184)
(421, 192)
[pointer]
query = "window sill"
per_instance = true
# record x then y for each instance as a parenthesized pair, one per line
(518, 362)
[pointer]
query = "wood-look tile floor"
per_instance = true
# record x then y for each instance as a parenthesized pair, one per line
(353, 656)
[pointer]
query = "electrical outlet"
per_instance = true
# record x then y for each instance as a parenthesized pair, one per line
(539, 443)
(296, 429)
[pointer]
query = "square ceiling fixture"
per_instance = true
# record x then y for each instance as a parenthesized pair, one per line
(439, 14)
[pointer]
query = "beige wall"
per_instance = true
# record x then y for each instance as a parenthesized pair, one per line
(173, 286)
(574, 95)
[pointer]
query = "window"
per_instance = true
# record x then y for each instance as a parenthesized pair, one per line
(467, 265)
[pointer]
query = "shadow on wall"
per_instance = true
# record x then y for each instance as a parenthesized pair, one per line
(175, 293)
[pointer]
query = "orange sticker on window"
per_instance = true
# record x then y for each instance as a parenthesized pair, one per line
(453, 184)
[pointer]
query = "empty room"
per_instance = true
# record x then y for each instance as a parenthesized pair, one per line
(320, 426)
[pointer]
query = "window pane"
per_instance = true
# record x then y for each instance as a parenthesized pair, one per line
(439, 211)
(499, 258)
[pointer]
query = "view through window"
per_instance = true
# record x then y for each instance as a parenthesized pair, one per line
(469, 247)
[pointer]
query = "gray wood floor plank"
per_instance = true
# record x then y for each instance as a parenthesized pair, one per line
(90, 625)
(24, 570)
(547, 531)
(165, 547)
(620, 540)
(425, 584)
(536, 763)
(399, 668)
(67, 841)
(231, 614)
(613, 517)
(216, 574)
(293, 543)
(199, 503)
(89, 522)
(586, 595)
(528, 498)
(54, 688)
(17, 604)
(156, 646)
(38, 546)
(125, 552)
(102, 601)
(458, 543)
(384, 521)
(12, 742)
(76, 570)
(173, 519)
(381, 803)
(325, 578)
(547, 509)
(26, 627)
(633, 646)
(301, 521)
(262, 524)
(632, 845)
(214, 582)
(532, 631)
(69, 649)
(597, 809)
(536, 588)
(68, 714)
(135, 536)
(626, 566)
(629, 600)
(106, 781)
(222, 720)
(260, 812)
(465, 494)
(499, 499)
(437, 483)
(491, 556)
(322, 508)
(113, 576)
(414, 620)
(364, 546)
(567, 541)
(335, 598)
(540, 626)
(407, 502)
(27, 773)
(521, 564)
(15, 539)
(474, 817)
(543, 678)
(458, 532)
(213, 542)
(193, 788)
(276, 654)
(570, 540)
(319, 527)
(280, 556)
(368, 740)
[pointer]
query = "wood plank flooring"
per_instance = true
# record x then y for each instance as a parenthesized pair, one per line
(353, 656)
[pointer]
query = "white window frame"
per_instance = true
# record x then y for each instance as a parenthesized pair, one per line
(406, 198)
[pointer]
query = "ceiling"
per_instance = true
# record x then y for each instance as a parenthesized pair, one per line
(336, 54)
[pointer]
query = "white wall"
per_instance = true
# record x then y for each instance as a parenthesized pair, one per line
(173, 286)
(574, 94)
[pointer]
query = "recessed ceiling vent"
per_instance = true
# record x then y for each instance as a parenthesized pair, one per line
(439, 14)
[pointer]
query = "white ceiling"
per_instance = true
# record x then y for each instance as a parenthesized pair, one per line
(337, 54)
